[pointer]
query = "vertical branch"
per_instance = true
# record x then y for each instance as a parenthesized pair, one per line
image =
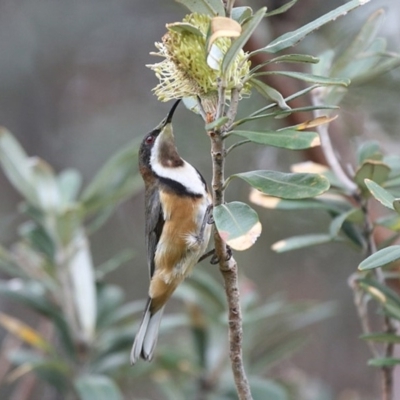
(386, 372)
(228, 265)
(334, 164)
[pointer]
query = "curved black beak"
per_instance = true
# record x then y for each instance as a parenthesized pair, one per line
(171, 112)
(168, 118)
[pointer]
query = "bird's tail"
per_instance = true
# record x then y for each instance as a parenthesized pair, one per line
(146, 338)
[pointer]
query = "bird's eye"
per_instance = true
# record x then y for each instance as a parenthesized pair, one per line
(149, 139)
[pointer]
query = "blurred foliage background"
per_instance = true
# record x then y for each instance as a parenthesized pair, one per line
(74, 90)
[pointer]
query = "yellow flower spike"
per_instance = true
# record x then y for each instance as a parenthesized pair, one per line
(187, 70)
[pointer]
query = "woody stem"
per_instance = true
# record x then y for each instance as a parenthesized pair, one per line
(229, 270)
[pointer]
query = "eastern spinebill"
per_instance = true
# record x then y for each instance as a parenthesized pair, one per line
(177, 212)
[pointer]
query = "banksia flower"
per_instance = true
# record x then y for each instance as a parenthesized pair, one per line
(188, 69)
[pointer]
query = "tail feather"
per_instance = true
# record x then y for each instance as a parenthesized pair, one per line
(146, 338)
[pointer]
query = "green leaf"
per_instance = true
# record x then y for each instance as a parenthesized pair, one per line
(320, 203)
(299, 242)
(381, 258)
(288, 58)
(114, 263)
(381, 337)
(365, 64)
(277, 353)
(97, 387)
(207, 289)
(286, 138)
(123, 314)
(208, 7)
(241, 14)
(317, 79)
(393, 183)
(380, 194)
(52, 371)
(25, 333)
(289, 98)
(292, 58)
(285, 185)
(372, 170)
(384, 362)
(359, 44)
(109, 298)
(381, 292)
(32, 296)
(281, 113)
(17, 166)
(25, 356)
(237, 224)
(238, 43)
(117, 180)
(382, 68)
(46, 185)
(291, 38)
(69, 182)
(393, 161)
(369, 150)
(391, 222)
(111, 363)
(183, 27)
(281, 9)
(38, 238)
(216, 124)
(263, 389)
(68, 222)
(99, 219)
(396, 205)
(81, 271)
(387, 297)
(353, 215)
(270, 93)
(9, 266)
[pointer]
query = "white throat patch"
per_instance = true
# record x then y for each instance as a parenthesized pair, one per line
(186, 174)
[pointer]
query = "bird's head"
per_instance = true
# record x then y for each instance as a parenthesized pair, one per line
(158, 147)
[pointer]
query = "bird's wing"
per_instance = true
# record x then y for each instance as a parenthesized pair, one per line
(154, 225)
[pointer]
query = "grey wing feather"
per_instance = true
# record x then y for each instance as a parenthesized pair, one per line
(154, 224)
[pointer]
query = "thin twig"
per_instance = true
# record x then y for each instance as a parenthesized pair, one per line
(201, 109)
(228, 7)
(327, 148)
(360, 302)
(388, 327)
(231, 114)
(221, 99)
(228, 266)
(387, 372)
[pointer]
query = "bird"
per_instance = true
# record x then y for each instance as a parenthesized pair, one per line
(178, 207)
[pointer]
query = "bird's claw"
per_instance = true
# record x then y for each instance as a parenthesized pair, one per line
(215, 259)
